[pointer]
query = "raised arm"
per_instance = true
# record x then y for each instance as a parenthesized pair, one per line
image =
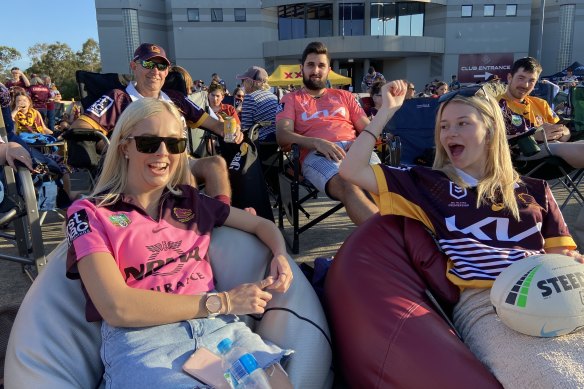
(355, 167)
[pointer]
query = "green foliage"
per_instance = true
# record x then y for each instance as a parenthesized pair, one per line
(56, 60)
(7, 56)
(60, 62)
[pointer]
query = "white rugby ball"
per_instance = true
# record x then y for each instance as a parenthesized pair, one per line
(542, 295)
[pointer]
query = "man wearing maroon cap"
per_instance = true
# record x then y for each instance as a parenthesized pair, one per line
(150, 67)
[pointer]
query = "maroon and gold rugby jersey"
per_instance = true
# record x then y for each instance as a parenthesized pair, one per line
(40, 96)
(480, 242)
(105, 112)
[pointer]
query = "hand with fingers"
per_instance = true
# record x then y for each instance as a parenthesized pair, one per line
(393, 93)
(250, 298)
(329, 150)
(15, 152)
(281, 272)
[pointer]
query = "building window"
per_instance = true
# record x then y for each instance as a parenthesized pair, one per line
(466, 11)
(193, 14)
(351, 19)
(299, 21)
(489, 10)
(240, 14)
(511, 10)
(216, 14)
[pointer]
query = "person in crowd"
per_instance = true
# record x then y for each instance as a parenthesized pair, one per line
(259, 104)
(454, 84)
(370, 78)
(150, 67)
(41, 96)
(375, 94)
(238, 96)
(26, 117)
(141, 203)
(215, 79)
(11, 152)
(324, 123)
(569, 80)
(472, 156)
(216, 96)
(411, 92)
(198, 86)
(440, 88)
(18, 79)
(537, 113)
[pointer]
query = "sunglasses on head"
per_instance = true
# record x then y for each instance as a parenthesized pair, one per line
(151, 144)
(464, 92)
(151, 65)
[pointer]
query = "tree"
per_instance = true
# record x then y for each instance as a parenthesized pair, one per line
(60, 62)
(7, 56)
(89, 56)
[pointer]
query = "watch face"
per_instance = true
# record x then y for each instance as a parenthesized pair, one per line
(213, 304)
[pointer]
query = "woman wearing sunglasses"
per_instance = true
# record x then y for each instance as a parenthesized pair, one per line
(484, 217)
(139, 245)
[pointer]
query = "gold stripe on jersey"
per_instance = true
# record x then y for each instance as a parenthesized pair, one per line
(199, 122)
(92, 123)
(560, 241)
(390, 203)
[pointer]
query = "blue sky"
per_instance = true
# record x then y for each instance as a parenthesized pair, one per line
(27, 22)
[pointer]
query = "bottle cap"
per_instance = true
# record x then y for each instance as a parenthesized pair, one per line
(224, 345)
(249, 362)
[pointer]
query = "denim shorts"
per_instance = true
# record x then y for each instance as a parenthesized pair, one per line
(152, 357)
(319, 170)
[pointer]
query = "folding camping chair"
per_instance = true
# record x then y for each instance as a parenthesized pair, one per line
(414, 124)
(550, 168)
(19, 207)
(295, 190)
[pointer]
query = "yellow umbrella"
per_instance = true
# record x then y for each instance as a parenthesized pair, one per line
(290, 74)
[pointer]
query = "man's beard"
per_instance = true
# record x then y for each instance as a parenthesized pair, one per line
(313, 85)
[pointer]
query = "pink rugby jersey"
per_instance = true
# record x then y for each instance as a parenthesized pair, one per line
(331, 117)
(168, 255)
(481, 242)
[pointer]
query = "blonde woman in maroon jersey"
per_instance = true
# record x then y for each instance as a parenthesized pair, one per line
(484, 217)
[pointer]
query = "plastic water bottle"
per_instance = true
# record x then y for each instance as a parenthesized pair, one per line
(240, 367)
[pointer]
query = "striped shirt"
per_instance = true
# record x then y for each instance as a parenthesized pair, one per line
(480, 242)
(260, 106)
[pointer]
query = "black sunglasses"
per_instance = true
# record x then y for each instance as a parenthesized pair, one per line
(464, 92)
(151, 144)
(151, 65)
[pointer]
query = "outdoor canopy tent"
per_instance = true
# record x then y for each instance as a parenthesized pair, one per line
(576, 67)
(290, 74)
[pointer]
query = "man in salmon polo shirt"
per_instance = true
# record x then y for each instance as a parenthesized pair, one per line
(324, 122)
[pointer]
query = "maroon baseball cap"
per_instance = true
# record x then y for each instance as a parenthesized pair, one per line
(147, 51)
(255, 73)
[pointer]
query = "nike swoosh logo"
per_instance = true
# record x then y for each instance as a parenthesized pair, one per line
(545, 334)
(158, 229)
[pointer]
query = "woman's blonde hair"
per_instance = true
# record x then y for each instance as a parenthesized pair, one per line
(498, 183)
(253, 85)
(114, 176)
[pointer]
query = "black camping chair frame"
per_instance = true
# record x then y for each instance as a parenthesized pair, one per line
(20, 208)
(291, 201)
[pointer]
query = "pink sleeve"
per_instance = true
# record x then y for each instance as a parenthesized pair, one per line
(85, 232)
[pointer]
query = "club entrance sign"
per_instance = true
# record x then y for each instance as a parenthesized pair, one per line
(474, 68)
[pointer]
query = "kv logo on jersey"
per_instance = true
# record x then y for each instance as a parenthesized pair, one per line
(77, 225)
